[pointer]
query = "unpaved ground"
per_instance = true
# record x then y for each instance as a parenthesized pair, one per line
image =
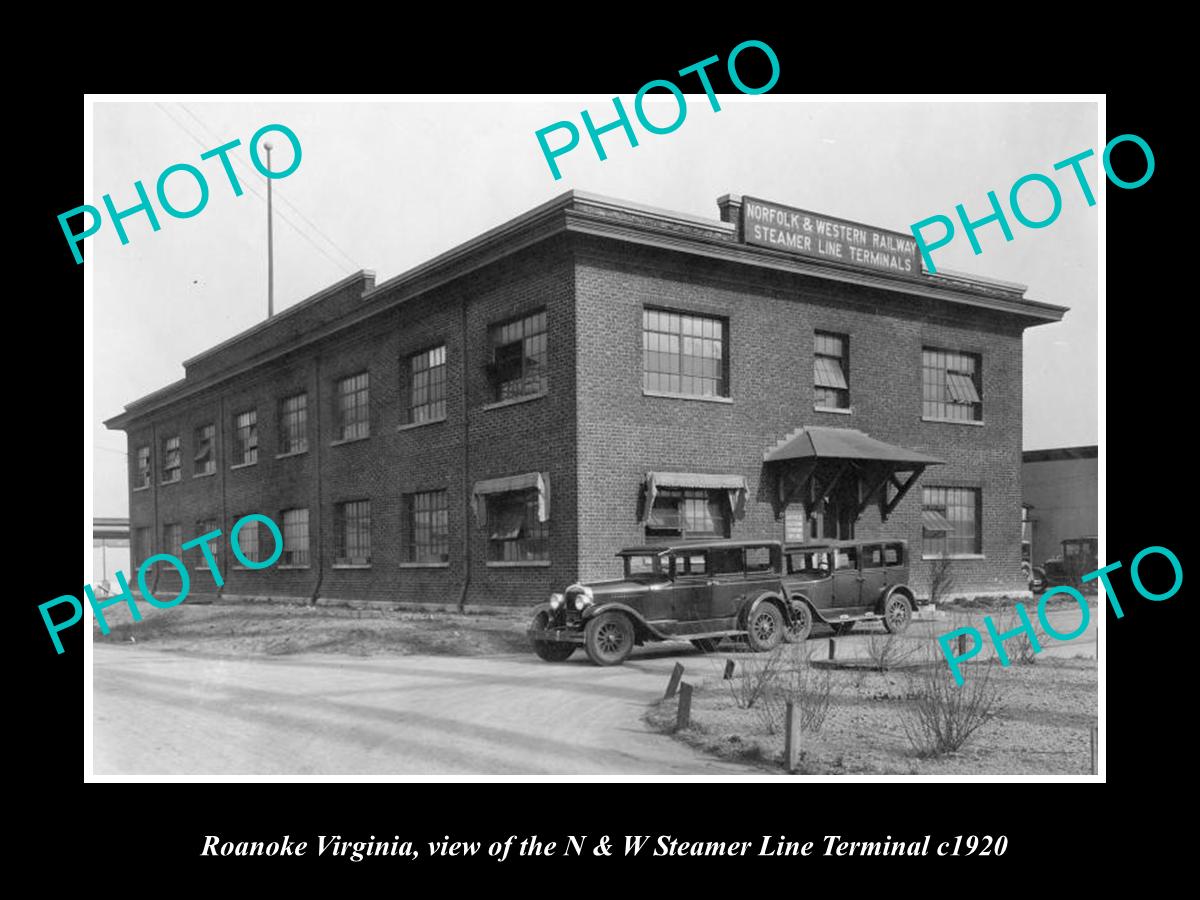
(1042, 726)
(283, 629)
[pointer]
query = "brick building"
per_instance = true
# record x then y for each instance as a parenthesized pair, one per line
(497, 422)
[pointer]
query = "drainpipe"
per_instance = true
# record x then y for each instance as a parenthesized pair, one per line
(466, 474)
(319, 551)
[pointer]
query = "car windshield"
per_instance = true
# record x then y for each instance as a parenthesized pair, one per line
(645, 565)
(812, 562)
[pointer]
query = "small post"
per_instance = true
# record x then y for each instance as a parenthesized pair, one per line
(673, 684)
(962, 645)
(832, 645)
(1092, 735)
(728, 669)
(792, 738)
(683, 716)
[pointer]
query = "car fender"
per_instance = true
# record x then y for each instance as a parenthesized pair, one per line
(903, 589)
(766, 597)
(639, 620)
(813, 612)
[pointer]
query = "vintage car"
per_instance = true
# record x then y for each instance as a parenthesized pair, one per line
(840, 583)
(700, 591)
(1079, 556)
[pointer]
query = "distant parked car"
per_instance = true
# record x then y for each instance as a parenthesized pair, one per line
(700, 591)
(841, 583)
(1079, 556)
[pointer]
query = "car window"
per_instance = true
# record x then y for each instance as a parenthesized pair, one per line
(872, 556)
(724, 562)
(846, 559)
(813, 562)
(758, 559)
(642, 565)
(893, 554)
(690, 564)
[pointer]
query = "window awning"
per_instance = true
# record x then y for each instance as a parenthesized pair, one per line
(934, 521)
(734, 484)
(843, 443)
(539, 481)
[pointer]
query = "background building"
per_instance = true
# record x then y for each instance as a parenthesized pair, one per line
(1061, 488)
(110, 551)
(500, 420)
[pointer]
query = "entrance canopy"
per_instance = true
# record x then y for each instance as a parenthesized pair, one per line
(734, 484)
(813, 462)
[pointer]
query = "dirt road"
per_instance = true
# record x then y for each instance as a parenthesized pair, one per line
(171, 713)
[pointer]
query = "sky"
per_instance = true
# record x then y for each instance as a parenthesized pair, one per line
(385, 185)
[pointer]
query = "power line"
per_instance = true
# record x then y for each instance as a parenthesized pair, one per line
(293, 206)
(255, 192)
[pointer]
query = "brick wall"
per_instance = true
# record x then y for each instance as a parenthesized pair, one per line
(623, 434)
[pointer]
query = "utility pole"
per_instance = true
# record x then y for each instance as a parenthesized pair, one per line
(270, 246)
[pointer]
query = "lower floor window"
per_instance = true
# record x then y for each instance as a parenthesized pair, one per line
(352, 531)
(295, 537)
(515, 533)
(247, 542)
(205, 526)
(960, 509)
(427, 527)
(685, 513)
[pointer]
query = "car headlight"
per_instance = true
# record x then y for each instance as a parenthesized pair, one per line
(584, 598)
(556, 600)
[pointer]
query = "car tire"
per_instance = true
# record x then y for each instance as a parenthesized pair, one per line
(609, 638)
(550, 651)
(706, 645)
(897, 613)
(801, 625)
(764, 627)
(842, 628)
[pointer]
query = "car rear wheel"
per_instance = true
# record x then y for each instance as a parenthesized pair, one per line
(551, 651)
(609, 638)
(801, 625)
(764, 628)
(897, 614)
(706, 645)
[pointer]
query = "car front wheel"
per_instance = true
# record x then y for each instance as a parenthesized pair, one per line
(551, 651)
(801, 625)
(897, 614)
(609, 638)
(764, 630)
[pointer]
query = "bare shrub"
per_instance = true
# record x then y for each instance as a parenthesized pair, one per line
(887, 651)
(1020, 649)
(754, 678)
(941, 579)
(798, 682)
(940, 716)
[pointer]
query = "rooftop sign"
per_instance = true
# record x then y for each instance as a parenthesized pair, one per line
(806, 233)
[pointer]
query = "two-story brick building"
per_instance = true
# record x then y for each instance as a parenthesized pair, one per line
(497, 422)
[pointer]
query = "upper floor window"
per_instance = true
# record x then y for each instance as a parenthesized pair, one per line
(950, 518)
(352, 533)
(293, 424)
(831, 370)
(172, 465)
(683, 354)
(245, 438)
(952, 387)
(142, 462)
(204, 456)
(425, 387)
(518, 366)
(352, 419)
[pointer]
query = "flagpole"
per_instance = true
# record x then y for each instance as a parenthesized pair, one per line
(270, 246)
